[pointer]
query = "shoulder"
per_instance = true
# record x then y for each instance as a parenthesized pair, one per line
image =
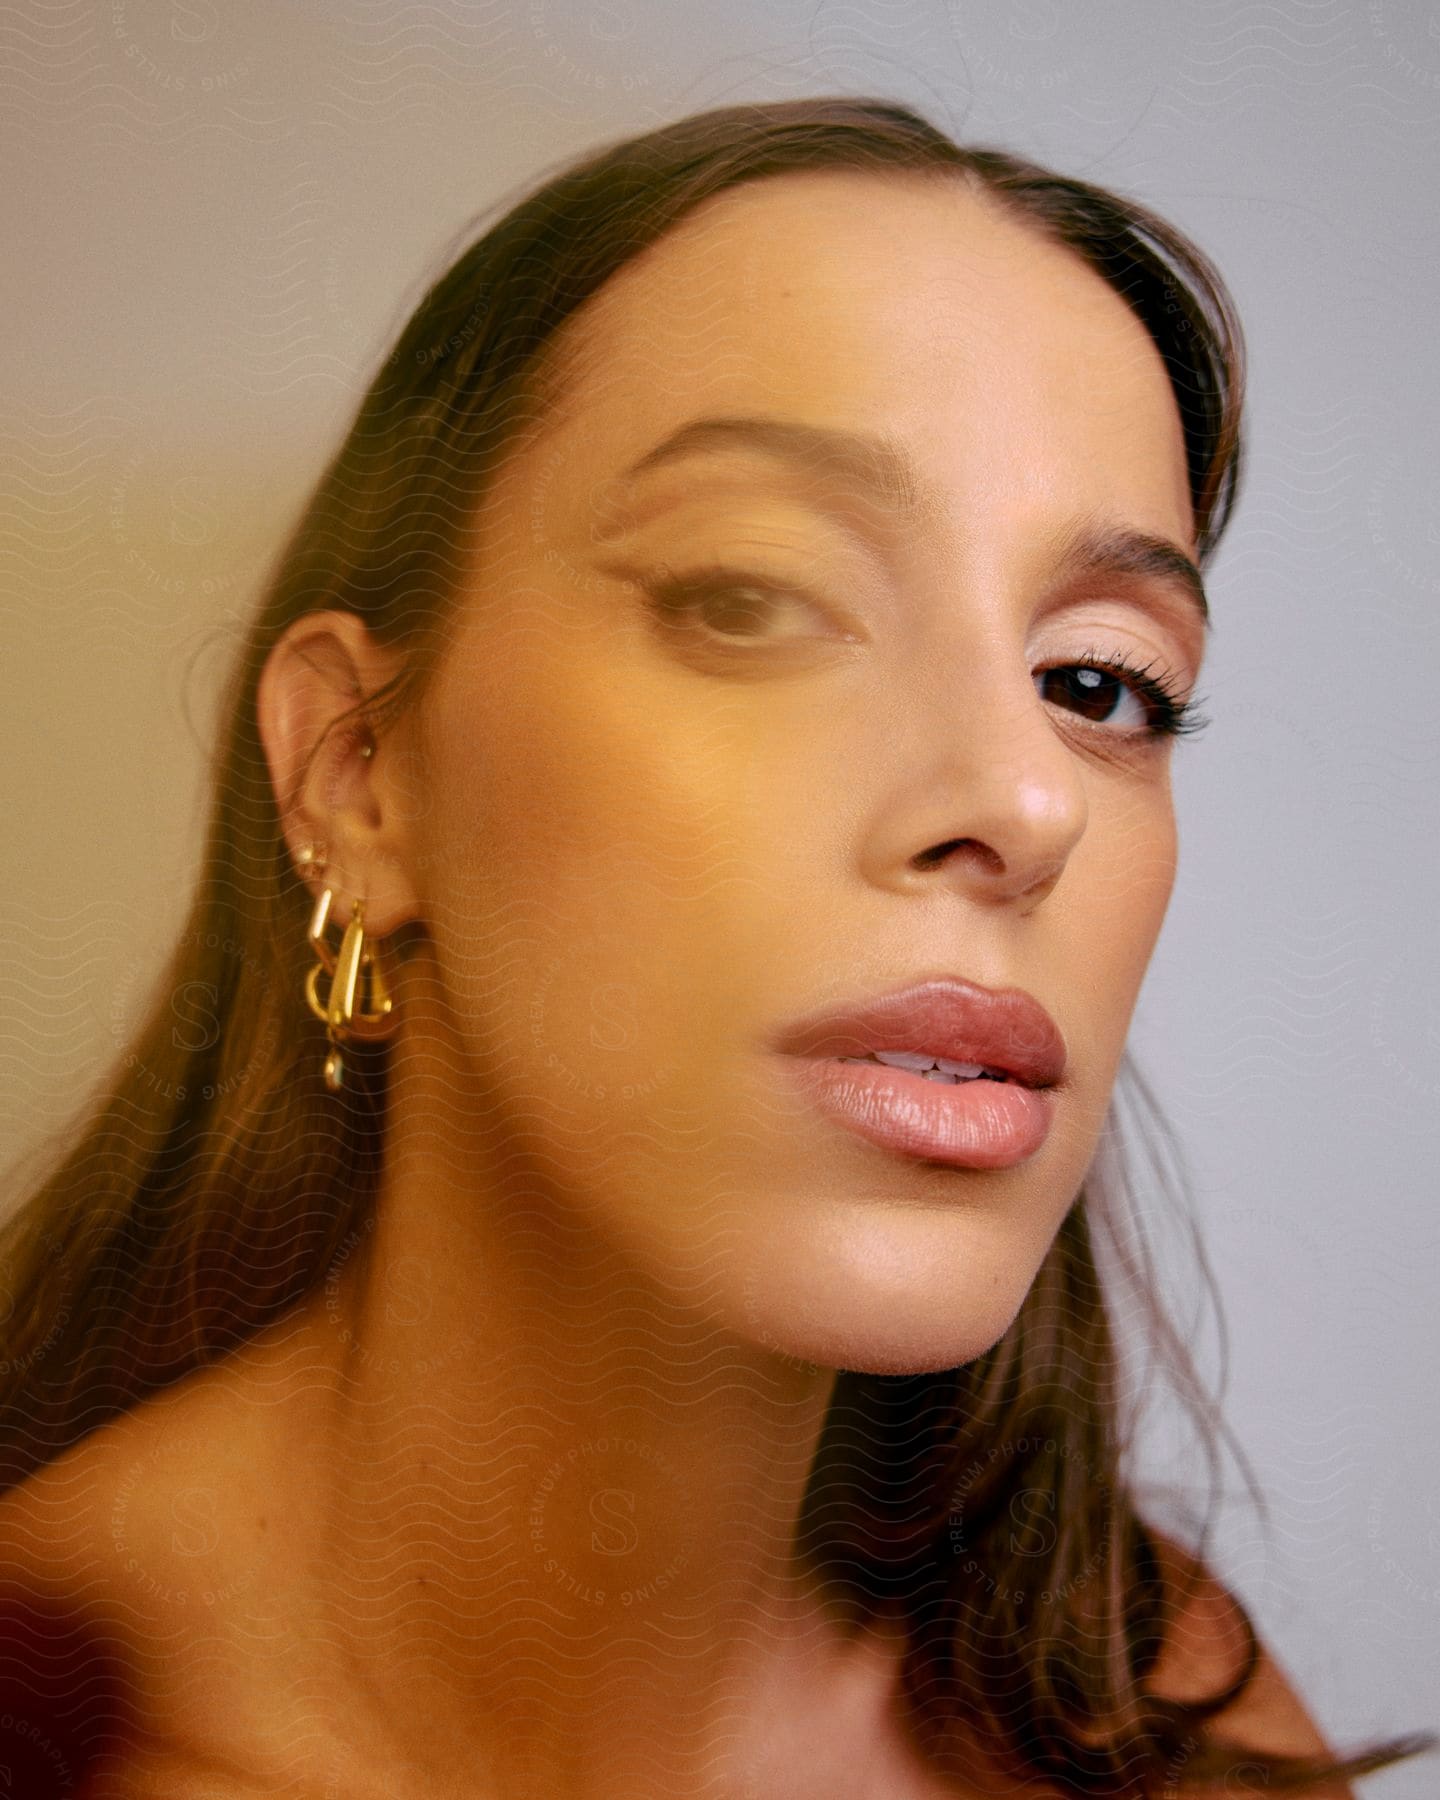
(127, 1567)
(66, 1651)
(1207, 1648)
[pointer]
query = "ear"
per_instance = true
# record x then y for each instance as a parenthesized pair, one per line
(329, 791)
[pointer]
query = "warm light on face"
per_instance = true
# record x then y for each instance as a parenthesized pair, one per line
(817, 646)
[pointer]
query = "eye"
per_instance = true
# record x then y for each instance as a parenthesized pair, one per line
(1097, 687)
(736, 607)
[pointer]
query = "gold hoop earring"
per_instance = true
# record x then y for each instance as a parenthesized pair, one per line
(358, 1004)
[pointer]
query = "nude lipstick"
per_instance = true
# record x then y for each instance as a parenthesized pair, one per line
(941, 1069)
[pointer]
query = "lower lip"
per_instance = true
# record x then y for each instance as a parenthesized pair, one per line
(976, 1124)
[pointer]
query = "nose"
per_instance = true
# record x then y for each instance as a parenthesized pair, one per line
(987, 796)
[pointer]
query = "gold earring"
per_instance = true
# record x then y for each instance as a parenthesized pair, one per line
(358, 1004)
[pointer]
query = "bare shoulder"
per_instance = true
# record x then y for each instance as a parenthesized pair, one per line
(127, 1567)
(68, 1649)
(1205, 1651)
(155, 1483)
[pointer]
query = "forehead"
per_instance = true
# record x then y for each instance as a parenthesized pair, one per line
(908, 305)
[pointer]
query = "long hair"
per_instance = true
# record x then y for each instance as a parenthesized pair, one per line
(213, 1180)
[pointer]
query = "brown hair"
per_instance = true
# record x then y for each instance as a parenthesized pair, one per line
(214, 1180)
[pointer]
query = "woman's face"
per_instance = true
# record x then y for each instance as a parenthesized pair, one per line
(648, 842)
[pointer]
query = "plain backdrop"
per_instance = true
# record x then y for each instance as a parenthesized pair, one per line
(215, 217)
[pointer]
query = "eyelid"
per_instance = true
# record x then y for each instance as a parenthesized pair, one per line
(1169, 627)
(714, 575)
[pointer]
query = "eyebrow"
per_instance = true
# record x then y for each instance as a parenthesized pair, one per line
(870, 460)
(877, 463)
(1099, 547)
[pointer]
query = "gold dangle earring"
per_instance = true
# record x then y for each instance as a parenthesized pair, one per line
(358, 1004)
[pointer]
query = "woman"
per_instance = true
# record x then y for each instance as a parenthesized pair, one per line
(584, 1284)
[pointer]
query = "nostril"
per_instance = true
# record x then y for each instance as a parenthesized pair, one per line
(927, 859)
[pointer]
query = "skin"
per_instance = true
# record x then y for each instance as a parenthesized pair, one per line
(514, 1496)
(639, 857)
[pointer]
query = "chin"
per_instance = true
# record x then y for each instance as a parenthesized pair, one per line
(887, 1303)
(837, 1344)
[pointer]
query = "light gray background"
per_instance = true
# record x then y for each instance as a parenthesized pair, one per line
(215, 218)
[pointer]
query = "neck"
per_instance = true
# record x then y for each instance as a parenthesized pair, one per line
(560, 1507)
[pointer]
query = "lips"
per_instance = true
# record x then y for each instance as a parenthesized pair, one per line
(1002, 1028)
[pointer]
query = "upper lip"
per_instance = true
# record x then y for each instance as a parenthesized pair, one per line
(1003, 1028)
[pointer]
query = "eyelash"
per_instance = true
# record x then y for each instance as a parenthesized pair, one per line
(1171, 716)
(1174, 717)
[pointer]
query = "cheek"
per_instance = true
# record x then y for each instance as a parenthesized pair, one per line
(1146, 856)
(590, 836)
(1120, 879)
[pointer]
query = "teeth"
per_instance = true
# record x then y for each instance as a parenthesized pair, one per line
(917, 1060)
(931, 1068)
(921, 1060)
